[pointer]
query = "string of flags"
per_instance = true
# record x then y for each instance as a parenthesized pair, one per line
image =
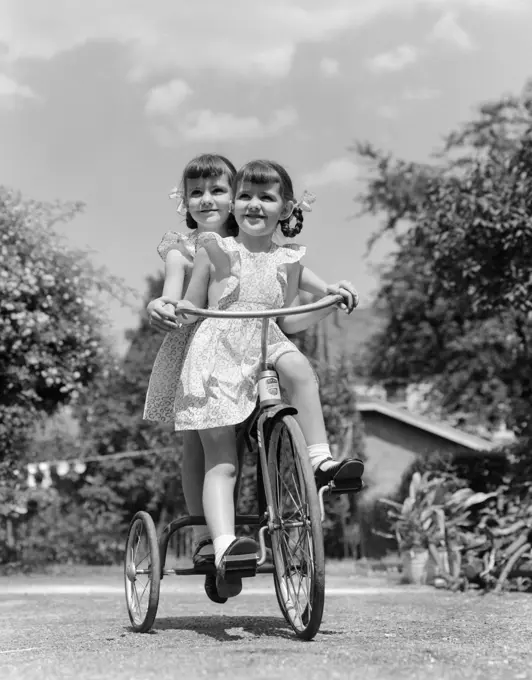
(61, 468)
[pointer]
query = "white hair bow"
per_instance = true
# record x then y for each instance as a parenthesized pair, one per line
(180, 198)
(305, 202)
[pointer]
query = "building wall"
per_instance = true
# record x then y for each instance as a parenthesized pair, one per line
(391, 447)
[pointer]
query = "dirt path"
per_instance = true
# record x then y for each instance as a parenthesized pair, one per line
(72, 628)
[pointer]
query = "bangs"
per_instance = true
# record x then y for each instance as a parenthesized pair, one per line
(257, 172)
(209, 165)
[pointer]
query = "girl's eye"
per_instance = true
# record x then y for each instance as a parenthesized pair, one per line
(243, 197)
(219, 190)
(194, 193)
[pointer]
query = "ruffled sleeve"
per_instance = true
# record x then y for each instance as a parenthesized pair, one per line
(173, 240)
(289, 253)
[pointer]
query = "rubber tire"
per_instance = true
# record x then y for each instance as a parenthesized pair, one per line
(155, 581)
(308, 483)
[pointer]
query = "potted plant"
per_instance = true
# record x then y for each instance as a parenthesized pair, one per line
(416, 523)
(430, 526)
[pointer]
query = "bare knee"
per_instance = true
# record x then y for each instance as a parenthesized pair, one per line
(295, 371)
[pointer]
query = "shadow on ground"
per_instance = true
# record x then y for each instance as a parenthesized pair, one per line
(232, 628)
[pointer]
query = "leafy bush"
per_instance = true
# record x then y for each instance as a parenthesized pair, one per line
(52, 325)
(83, 518)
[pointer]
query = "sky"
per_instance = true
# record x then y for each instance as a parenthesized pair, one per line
(106, 102)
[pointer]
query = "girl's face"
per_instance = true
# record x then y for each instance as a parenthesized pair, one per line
(208, 200)
(259, 207)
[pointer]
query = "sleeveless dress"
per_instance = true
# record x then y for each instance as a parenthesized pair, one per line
(218, 382)
(159, 404)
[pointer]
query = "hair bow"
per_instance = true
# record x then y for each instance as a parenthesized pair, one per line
(180, 198)
(305, 202)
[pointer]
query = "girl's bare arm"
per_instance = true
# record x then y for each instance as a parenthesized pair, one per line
(198, 288)
(299, 322)
(161, 313)
(311, 283)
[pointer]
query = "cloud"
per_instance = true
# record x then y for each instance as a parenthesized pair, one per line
(393, 61)
(388, 111)
(207, 125)
(449, 31)
(167, 98)
(10, 88)
(336, 171)
(237, 36)
(329, 67)
(421, 94)
(276, 62)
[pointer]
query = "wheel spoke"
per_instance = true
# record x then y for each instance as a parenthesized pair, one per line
(297, 512)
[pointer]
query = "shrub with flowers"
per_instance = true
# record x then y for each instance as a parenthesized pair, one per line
(52, 324)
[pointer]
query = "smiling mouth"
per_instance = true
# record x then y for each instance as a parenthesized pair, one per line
(209, 210)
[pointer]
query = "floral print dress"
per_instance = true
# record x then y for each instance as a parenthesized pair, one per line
(218, 382)
(160, 398)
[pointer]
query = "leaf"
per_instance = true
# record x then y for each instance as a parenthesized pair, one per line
(415, 484)
(393, 504)
(459, 496)
(479, 497)
(407, 506)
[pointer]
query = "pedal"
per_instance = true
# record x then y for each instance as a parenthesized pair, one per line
(240, 565)
(347, 487)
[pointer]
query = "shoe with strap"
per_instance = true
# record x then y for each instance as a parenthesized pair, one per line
(343, 473)
(200, 561)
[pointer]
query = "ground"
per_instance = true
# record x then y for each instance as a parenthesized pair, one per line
(74, 625)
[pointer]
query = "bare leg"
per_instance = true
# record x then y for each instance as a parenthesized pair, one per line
(221, 463)
(219, 445)
(297, 378)
(192, 475)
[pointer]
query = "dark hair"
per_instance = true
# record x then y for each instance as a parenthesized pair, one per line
(209, 165)
(266, 172)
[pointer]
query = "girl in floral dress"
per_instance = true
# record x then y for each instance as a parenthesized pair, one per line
(217, 388)
(205, 200)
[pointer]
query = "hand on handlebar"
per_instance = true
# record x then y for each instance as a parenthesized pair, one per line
(181, 307)
(347, 291)
(161, 314)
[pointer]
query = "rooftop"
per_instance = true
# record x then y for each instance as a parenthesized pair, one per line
(439, 429)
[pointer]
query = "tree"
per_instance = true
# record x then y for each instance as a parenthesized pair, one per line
(52, 324)
(111, 415)
(458, 292)
(111, 420)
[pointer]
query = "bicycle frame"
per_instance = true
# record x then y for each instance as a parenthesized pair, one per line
(269, 408)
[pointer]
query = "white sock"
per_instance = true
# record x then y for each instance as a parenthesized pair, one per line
(221, 543)
(318, 454)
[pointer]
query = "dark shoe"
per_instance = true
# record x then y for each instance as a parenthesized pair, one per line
(200, 561)
(212, 591)
(239, 561)
(342, 473)
(228, 586)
